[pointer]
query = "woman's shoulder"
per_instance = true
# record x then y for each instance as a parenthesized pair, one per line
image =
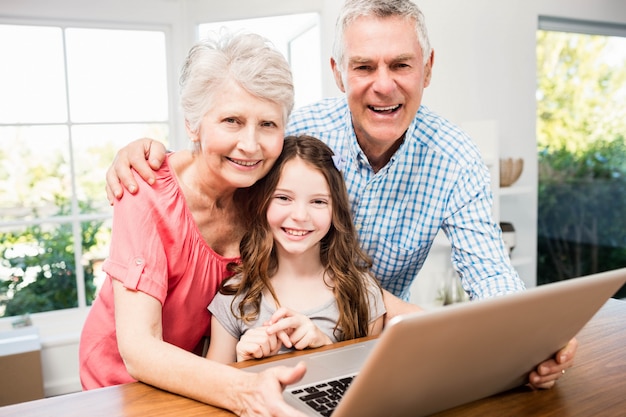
(163, 196)
(178, 161)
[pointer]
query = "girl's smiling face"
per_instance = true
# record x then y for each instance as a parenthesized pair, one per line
(300, 212)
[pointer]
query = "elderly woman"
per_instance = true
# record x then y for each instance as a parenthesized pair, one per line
(172, 241)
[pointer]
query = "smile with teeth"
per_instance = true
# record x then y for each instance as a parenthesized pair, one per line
(294, 232)
(385, 109)
(244, 163)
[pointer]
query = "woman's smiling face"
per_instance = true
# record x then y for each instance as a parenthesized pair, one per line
(240, 136)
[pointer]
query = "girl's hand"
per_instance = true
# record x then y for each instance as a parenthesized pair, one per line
(296, 330)
(257, 343)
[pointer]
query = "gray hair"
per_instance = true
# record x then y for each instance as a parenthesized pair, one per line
(353, 9)
(248, 59)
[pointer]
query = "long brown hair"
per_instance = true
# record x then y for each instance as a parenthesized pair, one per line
(340, 253)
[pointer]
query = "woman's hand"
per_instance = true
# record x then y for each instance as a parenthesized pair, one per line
(548, 372)
(296, 330)
(257, 343)
(261, 394)
(144, 156)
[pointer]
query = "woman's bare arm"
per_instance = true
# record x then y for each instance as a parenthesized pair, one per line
(151, 360)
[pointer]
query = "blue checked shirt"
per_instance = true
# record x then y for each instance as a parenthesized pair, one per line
(435, 180)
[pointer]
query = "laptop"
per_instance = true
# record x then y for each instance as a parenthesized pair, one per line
(423, 363)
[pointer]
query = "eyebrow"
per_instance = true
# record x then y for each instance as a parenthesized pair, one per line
(399, 58)
(291, 191)
(405, 57)
(359, 60)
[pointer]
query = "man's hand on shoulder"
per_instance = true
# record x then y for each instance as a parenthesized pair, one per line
(144, 156)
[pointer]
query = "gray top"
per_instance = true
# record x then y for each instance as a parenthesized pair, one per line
(324, 316)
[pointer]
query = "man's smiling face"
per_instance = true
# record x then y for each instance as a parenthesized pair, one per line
(383, 76)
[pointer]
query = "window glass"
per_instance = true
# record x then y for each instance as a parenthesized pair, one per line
(34, 172)
(32, 78)
(95, 238)
(304, 58)
(55, 220)
(116, 75)
(581, 137)
(38, 269)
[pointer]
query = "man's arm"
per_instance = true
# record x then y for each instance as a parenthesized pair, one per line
(478, 251)
(144, 156)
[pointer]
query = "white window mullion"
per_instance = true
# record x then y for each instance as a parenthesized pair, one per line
(75, 211)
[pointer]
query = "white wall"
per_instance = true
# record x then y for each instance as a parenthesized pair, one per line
(484, 70)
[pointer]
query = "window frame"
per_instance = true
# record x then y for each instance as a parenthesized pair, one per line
(76, 315)
(587, 27)
(573, 26)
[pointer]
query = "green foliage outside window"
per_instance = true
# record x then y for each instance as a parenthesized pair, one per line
(42, 266)
(582, 157)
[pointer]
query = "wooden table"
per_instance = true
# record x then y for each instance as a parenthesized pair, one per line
(595, 386)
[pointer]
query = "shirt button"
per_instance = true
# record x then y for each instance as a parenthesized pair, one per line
(139, 261)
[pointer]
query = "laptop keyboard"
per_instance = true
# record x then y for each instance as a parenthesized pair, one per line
(324, 397)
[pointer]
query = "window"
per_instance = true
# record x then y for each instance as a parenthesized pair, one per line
(71, 96)
(581, 131)
(297, 37)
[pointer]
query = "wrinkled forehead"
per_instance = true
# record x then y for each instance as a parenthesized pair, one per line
(394, 37)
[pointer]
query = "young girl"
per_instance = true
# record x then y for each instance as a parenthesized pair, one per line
(303, 281)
